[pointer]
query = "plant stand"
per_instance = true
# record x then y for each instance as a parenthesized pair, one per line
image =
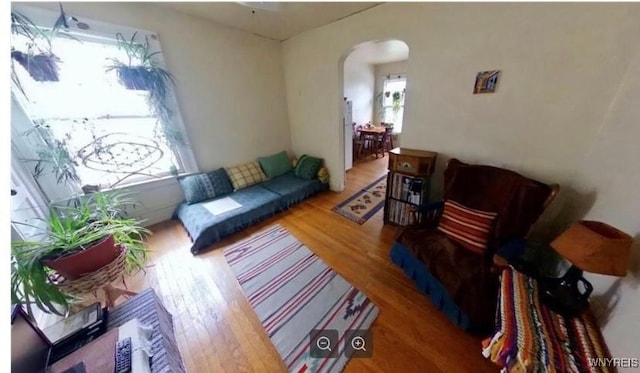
(101, 279)
(112, 294)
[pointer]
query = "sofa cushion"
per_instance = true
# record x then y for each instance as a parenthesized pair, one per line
(470, 228)
(307, 167)
(203, 186)
(293, 189)
(205, 228)
(276, 164)
(245, 175)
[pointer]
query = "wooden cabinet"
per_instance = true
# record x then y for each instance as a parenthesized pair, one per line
(408, 185)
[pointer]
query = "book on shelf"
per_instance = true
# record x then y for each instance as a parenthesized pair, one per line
(406, 192)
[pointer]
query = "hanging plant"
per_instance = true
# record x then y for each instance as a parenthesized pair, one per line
(55, 154)
(397, 101)
(42, 67)
(142, 72)
(145, 75)
(38, 60)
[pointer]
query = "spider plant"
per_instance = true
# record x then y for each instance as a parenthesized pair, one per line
(70, 229)
(38, 59)
(141, 72)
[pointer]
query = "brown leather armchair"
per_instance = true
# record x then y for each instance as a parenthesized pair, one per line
(459, 281)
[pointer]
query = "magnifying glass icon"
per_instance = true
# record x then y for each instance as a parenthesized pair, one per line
(323, 343)
(358, 344)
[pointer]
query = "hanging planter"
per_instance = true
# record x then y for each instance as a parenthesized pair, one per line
(397, 101)
(140, 72)
(38, 60)
(134, 77)
(42, 67)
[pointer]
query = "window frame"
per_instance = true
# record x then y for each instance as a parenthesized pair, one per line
(104, 32)
(386, 80)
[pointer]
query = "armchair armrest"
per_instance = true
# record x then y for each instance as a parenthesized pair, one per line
(430, 213)
(508, 253)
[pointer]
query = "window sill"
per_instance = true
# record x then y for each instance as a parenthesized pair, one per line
(154, 182)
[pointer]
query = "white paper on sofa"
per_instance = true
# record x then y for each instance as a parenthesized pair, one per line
(222, 205)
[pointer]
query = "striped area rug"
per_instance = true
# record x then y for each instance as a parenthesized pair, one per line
(293, 292)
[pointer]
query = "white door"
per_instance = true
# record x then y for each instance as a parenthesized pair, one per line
(348, 136)
(28, 209)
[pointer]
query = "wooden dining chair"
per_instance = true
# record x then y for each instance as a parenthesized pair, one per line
(379, 143)
(358, 142)
(388, 140)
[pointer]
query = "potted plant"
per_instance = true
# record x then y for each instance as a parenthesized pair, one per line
(397, 101)
(140, 72)
(38, 59)
(77, 239)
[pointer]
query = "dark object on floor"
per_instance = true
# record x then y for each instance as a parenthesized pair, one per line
(460, 281)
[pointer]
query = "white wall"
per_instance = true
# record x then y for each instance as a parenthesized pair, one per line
(615, 155)
(229, 85)
(565, 110)
(359, 83)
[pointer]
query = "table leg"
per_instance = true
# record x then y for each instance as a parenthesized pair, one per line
(112, 294)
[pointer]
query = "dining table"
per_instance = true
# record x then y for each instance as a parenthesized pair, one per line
(366, 140)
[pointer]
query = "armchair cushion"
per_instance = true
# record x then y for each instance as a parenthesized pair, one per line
(468, 227)
(471, 286)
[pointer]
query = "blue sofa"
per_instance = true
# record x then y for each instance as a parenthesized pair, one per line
(259, 202)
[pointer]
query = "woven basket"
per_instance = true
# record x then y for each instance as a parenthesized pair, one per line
(95, 280)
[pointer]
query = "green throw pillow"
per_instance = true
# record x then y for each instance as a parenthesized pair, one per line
(308, 167)
(276, 164)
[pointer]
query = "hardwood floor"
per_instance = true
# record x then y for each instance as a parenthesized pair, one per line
(217, 331)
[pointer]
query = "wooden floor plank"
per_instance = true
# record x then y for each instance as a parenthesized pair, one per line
(217, 331)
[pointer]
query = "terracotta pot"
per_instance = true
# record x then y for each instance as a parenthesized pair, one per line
(85, 261)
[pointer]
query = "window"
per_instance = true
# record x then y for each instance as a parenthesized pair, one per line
(112, 135)
(393, 100)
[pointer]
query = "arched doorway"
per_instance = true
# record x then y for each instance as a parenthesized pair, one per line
(373, 76)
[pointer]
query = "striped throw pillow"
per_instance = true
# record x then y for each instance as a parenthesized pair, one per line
(245, 175)
(468, 227)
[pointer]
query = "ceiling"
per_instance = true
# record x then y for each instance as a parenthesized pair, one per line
(380, 52)
(274, 20)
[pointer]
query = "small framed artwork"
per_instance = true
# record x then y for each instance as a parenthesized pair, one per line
(486, 81)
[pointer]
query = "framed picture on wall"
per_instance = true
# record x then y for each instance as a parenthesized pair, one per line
(486, 81)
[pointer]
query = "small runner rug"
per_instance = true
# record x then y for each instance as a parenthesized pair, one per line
(361, 206)
(294, 292)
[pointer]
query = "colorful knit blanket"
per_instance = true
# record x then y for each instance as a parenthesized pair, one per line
(531, 338)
